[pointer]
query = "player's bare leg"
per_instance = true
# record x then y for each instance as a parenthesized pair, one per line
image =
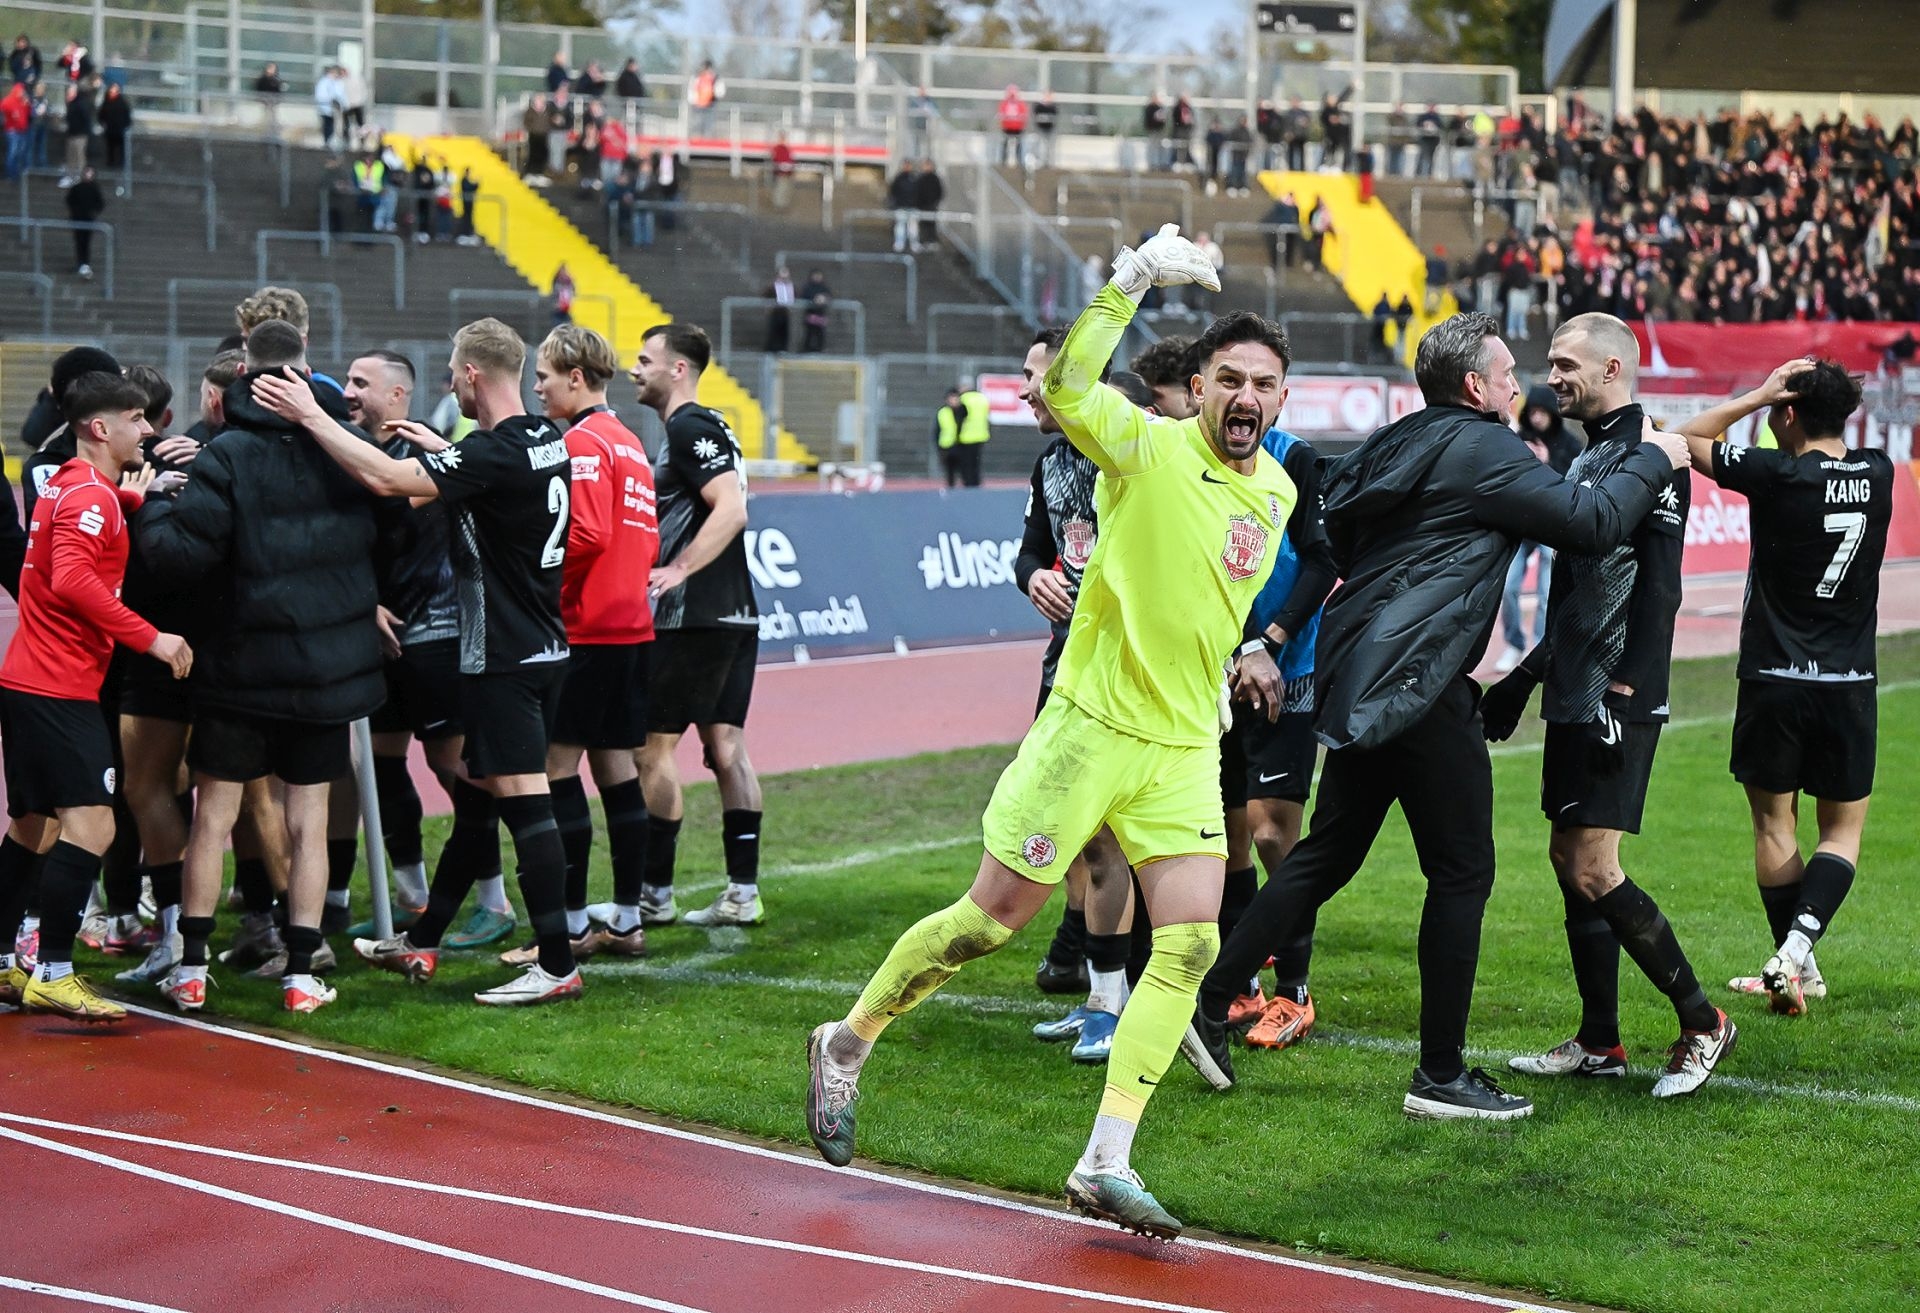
(1800, 897)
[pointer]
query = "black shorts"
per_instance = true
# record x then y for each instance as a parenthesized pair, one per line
(58, 754)
(700, 677)
(148, 688)
(1817, 739)
(509, 718)
(1574, 792)
(603, 703)
(1260, 758)
(423, 693)
(237, 747)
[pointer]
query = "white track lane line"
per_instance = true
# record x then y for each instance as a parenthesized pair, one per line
(600, 1215)
(351, 1228)
(92, 1297)
(810, 1162)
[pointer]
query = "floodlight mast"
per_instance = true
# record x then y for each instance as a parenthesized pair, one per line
(1626, 21)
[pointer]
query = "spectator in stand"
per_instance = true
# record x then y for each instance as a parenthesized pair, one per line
(442, 201)
(79, 132)
(1336, 132)
(583, 156)
(369, 180)
(85, 202)
(1153, 122)
(1046, 118)
(42, 124)
(1283, 232)
(1436, 275)
(1203, 299)
(16, 116)
(563, 293)
(422, 186)
(900, 200)
(630, 85)
(1486, 278)
(1516, 282)
(592, 82)
(1382, 316)
(817, 301)
(1239, 150)
(559, 130)
(669, 170)
(1215, 142)
(1267, 122)
(1298, 128)
(1399, 138)
(533, 128)
(469, 197)
(75, 62)
(1402, 320)
(920, 116)
(614, 147)
(928, 193)
(1429, 129)
(780, 313)
(328, 100)
(1013, 127)
(1319, 228)
(704, 93)
(23, 61)
(1182, 127)
(780, 166)
(116, 121)
(269, 83)
(558, 75)
(354, 98)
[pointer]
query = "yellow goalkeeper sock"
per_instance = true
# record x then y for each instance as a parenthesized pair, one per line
(1157, 1015)
(922, 960)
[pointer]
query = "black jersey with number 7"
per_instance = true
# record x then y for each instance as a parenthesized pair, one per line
(1819, 526)
(509, 490)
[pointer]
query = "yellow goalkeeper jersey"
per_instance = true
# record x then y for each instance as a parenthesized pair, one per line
(1185, 544)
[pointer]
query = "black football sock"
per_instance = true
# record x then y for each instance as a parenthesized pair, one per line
(302, 941)
(542, 863)
(1069, 939)
(1822, 889)
(625, 807)
(66, 878)
(18, 872)
(575, 821)
(471, 851)
(1643, 931)
(1780, 900)
(1235, 897)
(740, 837)
(120, 868)
(195, 931)
(342, 856)
(1595, 951)
(1109, 952)
(250, 878)
(1294, 960)
(400, 810)
(663, 838)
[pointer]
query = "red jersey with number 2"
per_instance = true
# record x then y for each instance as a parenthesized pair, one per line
(613, 538)
(71, 614)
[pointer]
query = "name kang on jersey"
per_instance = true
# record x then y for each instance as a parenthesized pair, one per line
(1849, 491)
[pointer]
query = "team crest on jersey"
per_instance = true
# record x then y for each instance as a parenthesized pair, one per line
(1273, 510)
(1246, 547)
(1076, 548)
(1038, 851)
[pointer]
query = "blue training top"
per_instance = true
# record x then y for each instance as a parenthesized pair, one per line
(1296, 658)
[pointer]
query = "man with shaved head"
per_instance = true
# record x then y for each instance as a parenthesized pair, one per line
(1604, 665)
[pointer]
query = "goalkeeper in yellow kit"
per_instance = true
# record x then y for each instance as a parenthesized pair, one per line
(1191, 513)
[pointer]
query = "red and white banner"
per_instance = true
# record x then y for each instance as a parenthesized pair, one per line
(1318, 404)
(1004, 405)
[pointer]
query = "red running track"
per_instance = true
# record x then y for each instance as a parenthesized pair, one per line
(293, 1179)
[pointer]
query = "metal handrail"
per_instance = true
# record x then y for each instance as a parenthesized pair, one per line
(39, 227)
(963, 309)
(937, 216)
(45, 286)
(861, 257)
(209, 194)
(1088, 221)
(1133, 184)
(613, 312)
(743, 261)
(335, 304)
(326, 240)
(728, 304)
(456, 296)
(273, 145)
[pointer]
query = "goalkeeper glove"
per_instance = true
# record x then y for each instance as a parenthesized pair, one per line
(1163, 260)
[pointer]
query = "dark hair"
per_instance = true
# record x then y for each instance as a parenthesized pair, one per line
(231, 342)
(1827, 395)
(226, 366)
(273, 343)
(1243, 326)
(70, 365)
(1056, 337)
(1131, 386)
(1169, 363)
(154, 384)
(688, 341)
(97, 392)
(394, 358)
(1448, 352)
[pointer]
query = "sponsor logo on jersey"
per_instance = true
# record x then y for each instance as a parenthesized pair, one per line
(586, 469)
(1038, 851)
(1246, 547)
(92, 521)
(443, 460)
(1273, 510)
(1076, 545)
(706, 450)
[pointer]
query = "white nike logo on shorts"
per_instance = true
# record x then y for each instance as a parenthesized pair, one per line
(1569, 807)
(1268, 779)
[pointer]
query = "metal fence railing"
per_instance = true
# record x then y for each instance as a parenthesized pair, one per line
(906, 262)
(779, 335)
(42, 285)
(33, 233)
(318, 295)
(325, 241)
(952, 310)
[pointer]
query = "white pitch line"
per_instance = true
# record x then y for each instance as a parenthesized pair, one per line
(351, 1228)
(600, 1215)
(92, 1297)
(851, 861)
(808, 1162)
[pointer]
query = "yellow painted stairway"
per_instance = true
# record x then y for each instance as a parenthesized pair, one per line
(537, 239)
(1368, 250)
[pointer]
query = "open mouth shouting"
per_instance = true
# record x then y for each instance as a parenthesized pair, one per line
(1241, 429)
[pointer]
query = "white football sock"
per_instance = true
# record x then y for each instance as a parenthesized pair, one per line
(576, 922)
(411, 883)
(1109, 991)
(493, 894)
(625, 917)
(1110, 1146)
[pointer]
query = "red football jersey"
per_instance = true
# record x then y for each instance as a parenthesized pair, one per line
(71, 614)
(612, 539)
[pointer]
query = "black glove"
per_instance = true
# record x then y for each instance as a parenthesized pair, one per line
(1502, 705)
(1607, 749)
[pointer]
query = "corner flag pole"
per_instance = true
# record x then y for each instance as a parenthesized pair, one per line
(370, 823)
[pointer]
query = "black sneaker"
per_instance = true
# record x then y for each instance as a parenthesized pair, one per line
(1205, 1046)
(335, 920)
(1051, 978)
(1472, 1094)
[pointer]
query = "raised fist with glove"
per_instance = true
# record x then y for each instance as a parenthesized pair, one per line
(1164, 260)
